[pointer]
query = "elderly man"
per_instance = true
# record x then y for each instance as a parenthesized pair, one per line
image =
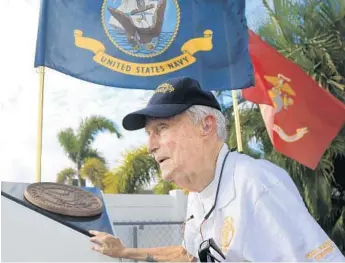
(250, 208)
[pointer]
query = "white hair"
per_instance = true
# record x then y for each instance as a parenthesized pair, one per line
(197, 112)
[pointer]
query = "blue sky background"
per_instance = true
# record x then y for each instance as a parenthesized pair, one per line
(67, 100)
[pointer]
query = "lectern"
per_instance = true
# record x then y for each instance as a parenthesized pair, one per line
(50, 222)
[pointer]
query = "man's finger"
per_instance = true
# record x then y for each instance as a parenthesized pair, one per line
(95, 233)
(93, 239)
(97, 248)
(96, 240)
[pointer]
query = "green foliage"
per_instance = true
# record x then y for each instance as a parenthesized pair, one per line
(94, 169)
(69, 143)
(78, 146)
(163, 187)
(249, 117)
(112, 183)
(90, 127)
(66, 176)
(137, 170)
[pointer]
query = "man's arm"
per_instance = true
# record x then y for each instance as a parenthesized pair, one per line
(112, 246)
(161, 254)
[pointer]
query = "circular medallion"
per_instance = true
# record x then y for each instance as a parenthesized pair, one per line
(63, 199)
(141, 28)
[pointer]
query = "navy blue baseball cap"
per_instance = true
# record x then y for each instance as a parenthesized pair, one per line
(171, 98)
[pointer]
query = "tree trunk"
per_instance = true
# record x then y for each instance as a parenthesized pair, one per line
(81, 181)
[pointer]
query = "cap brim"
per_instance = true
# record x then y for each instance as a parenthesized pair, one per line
(136, 120)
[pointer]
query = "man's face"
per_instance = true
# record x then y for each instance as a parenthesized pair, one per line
(176, 144)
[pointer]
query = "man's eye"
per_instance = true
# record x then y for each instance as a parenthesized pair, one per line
(162, 127)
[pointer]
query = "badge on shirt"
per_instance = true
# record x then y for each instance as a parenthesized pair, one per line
(227, 233)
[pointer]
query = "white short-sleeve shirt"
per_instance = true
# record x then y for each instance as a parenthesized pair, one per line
(259, 216)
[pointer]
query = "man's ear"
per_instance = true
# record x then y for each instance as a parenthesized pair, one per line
(208, 125)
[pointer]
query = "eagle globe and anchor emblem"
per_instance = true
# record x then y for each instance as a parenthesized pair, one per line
(143, 29)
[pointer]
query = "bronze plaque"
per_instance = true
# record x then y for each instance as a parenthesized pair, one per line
(63, 199)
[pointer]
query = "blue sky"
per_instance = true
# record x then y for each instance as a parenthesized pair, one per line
(67, 100)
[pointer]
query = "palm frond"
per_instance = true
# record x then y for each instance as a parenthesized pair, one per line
(93, 153)
(136, 170)
(112, 183)
(66, 176)
(69, 143)
(94, 170)
(91, 126)
(338, 231)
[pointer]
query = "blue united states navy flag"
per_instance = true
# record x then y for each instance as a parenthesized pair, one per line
(141, 43)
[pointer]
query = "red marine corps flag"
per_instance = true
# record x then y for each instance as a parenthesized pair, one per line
(301, 118)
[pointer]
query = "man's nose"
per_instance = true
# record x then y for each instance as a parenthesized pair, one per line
(152, 144)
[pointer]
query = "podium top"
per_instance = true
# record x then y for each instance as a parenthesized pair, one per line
(15, 192)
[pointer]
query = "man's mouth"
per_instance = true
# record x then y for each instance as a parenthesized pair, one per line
(160, 161)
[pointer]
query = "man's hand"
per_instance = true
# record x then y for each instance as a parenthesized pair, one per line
(107, 244)
(113, 247)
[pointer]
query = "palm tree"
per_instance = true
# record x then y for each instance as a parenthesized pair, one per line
(312, 34)
(112, 183)
(94, 169)
(78, 147)
(137, 170)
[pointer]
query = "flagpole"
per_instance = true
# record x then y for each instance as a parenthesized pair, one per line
(39, 124)
(237, 121)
